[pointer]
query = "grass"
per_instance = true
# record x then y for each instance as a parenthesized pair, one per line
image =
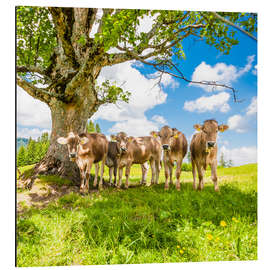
(145, 224)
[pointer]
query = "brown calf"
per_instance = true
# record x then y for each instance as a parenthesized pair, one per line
(112, 159)
(203, 149)
(174, 145)
(86, 149)
(138, 151)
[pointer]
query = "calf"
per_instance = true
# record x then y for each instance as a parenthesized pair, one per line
(138, 151)
(174, 144)
(86, 149)
(203, 149)
(112, 159)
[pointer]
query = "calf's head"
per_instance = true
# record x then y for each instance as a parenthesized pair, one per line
(210, 130)
(73, 142)
(166, 135)
(121, 139)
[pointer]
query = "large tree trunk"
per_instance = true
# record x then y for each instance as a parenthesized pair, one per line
(65, 118)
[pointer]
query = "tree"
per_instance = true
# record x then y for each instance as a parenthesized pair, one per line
(98, 129)
(21, 156)
(90, 127)
(222, 161)
(31, 149)
(55, 50)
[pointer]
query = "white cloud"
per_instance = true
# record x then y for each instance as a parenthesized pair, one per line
(145, 94)
(243, 123)
(135, 126)
(239, 156)
(159, 119)
(255, 70)
(31, 132)
(220, 73)
(212, 103)
(32, 112)
(252, 108)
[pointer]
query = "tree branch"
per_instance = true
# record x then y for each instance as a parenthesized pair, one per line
(233, 25)
(38, 93)
(63, 19)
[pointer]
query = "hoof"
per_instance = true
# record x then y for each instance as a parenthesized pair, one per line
(177, 188)
(166, 188)
(217, 189)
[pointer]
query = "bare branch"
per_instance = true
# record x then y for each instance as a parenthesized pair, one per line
(233, 25)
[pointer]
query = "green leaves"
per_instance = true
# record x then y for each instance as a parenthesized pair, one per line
(36, 36)
(110, 93)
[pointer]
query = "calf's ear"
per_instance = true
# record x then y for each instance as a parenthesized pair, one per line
(222, 128)
(84, 140)
(154, 134)
(62, 140)
(113, 138)
(198, 127)
(130, 138)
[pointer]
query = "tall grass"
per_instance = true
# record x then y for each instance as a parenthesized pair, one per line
(145, 224)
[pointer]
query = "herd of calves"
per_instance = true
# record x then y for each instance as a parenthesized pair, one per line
(168, 145)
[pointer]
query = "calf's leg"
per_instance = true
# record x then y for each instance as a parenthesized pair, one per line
(100, 186)
(96, 174)
(193, 173)
(157, 164)
(110, 174)
(127, 174)
(87, 175)
(214, 175)
(178, 173)
(144, 167)
(120, 173)
(201, 174)
(153, 170)
(166, 169)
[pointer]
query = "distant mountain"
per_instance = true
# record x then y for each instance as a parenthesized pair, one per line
(22, 141)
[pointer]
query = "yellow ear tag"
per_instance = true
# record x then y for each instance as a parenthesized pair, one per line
(82, 141)
(198, 129)
(221, 129)
(175, 136)
(130, 139)
(155, 135)
(207, 150)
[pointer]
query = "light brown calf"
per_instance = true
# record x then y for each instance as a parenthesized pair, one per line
(86, 149)
(174, 146)
(203, 149)
(138, 150)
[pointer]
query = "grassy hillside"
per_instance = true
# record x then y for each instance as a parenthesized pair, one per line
(143, 224)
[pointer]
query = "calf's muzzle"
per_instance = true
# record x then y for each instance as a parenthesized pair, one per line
(166, 147)
(211, 144)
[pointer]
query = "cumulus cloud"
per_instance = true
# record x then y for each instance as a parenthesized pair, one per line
(220, 73)
(135, 126)
(239, 156)
(247, 121)
(34, 133)
(212, 103)
(32, 112)
(159, 119)
(145, 94)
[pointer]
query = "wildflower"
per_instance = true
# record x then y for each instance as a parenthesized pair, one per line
(235, 220)
(184, 248)
(209, 237)
(217, 239)
(178, 246)
(223, 223)
(181, 251)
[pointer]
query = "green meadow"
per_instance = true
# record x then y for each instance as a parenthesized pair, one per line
(140, 225)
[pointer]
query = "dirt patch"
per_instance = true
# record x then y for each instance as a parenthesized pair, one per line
(41, 194)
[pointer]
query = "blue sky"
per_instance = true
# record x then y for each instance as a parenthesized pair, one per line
(177, 104)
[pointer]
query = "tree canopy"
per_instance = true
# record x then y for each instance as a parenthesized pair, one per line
(57, 47)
